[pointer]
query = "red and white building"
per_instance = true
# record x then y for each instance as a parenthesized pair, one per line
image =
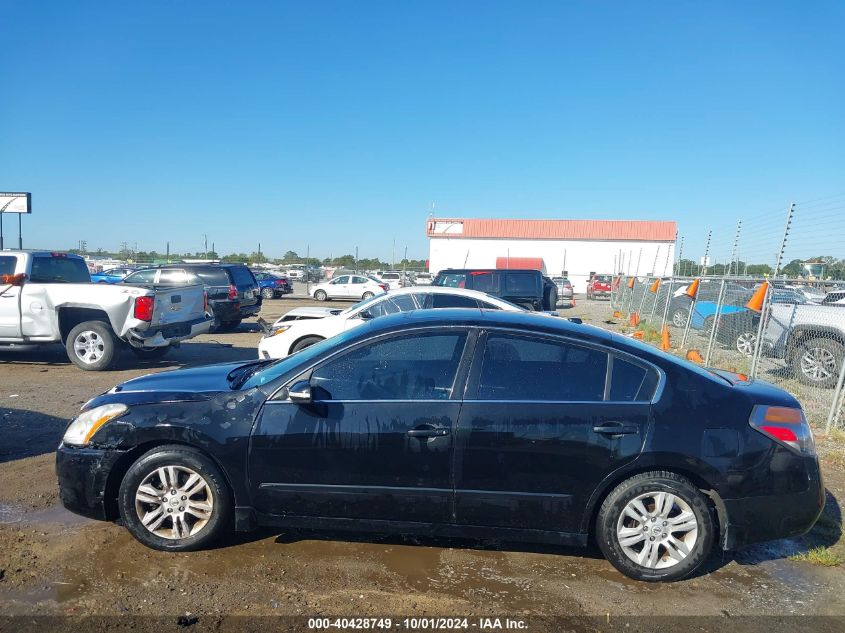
(576, 248)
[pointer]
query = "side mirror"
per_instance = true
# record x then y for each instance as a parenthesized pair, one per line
(365, 315)
(300, 392)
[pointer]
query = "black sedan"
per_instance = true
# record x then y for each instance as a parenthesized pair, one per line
(466, 423)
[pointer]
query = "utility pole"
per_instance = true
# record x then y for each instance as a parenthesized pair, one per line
(205, 246)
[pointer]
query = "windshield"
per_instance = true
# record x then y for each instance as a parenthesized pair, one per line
(363, 303)
(274, 370)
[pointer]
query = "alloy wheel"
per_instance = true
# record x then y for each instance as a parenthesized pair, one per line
(657, 530)
(174, 502)
(89, 346)
(818, 364)
(745, 343)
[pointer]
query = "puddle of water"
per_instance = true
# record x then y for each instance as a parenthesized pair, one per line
(55, 515)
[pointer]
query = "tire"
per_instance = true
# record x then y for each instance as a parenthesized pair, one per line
(367, 295)
(268, 293)
(679, 317)
(153, 353)
(228, 326)
(689, 508)
(213, 515)
(308, 341)
(321, 295)
(707, 326)
(92, 346)
(818, 361)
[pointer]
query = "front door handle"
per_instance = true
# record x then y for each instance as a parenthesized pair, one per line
(427, 430)
(616, 428)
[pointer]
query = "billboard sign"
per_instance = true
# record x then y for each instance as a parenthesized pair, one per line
(15, 202)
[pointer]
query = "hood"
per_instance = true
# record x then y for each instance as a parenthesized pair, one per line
(309, 313)
(181, 385)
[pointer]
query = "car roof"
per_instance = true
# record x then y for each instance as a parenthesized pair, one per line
(446, 290)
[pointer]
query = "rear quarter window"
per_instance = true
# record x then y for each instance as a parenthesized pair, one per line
(520, 284)
(7, 265)
(242, 276)
(632, 382)
(212, 276)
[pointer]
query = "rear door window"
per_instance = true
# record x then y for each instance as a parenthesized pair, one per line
(392, 305)
(516, 367)
(485, 282)
(58, 270)
(520, 284)
(213, 276)
(175, 277)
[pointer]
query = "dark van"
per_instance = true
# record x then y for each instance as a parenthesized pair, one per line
(527, 288)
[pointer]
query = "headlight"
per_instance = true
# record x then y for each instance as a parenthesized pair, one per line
(82, 429)
(278, 329)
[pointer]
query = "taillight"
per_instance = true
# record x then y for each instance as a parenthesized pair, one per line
(233, 292)
(786, 425)
(279, 282)
(384, 287)
(144, 308)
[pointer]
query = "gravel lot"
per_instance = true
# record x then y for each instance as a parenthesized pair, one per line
(52, 562)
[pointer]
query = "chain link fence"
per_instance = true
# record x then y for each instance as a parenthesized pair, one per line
(786, 326)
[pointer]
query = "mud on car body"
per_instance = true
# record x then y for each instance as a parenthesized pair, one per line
(462, 423)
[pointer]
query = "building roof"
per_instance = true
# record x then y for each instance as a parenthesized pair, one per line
(603, 230)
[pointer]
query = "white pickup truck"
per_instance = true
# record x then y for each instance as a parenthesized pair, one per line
(48, 298)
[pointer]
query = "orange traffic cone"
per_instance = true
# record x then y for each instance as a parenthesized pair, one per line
(631, 281)
(755, 303)
(617, 314)
(692, 289)
(695, 356)
(639, 334)
(572, 305)
(635, 319)
(664, 339)
(655, 286)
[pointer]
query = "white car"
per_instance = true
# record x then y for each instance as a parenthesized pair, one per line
(423, 279)
(393, 279)
(302, 327)
(348, 287)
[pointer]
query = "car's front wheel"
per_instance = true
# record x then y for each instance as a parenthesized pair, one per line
(174, 498)
(367, 295)
(321, 295)
(680, 317)
(656, 526)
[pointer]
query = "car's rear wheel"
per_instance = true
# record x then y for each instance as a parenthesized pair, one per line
(367, 295)
(818, 362)
(321, 295)
(656, 526)
(92, 346)
(268, 293)
(174, 498)
(228, 326)
(308, 341)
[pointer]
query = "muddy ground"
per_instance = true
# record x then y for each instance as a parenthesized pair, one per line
(52, 562)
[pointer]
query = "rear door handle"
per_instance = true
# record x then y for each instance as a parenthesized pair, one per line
(616, 428)
(427, 430)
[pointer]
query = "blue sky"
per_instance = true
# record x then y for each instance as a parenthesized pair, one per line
(338, 124)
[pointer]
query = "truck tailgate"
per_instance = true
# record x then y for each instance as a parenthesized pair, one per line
(177, 305)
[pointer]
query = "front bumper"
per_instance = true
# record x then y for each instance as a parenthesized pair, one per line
(169, 334)
(83, 475)
(770, 517)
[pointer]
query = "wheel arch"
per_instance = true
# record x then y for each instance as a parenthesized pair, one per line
(69, 317)
(302, 338)
(802, 334)
(121, 467)
(594, 504)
